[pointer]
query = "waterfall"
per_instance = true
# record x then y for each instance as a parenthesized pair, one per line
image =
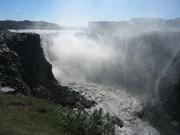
(120, 73)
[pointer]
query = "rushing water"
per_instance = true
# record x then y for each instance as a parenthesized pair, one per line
(118, 102)
(120, 75)
(77, 63)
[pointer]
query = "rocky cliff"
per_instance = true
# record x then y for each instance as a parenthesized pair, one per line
(169, 88)
(24, 68)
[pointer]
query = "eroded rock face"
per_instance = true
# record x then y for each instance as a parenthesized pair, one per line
(24, 68)
(10, 70)
(36, 69)
(169, 89)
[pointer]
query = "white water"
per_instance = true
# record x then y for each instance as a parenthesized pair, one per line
(68, 55)
(118, 102)
(78, 60)
(91, 65)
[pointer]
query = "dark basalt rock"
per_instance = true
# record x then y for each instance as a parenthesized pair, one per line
(36, 69)
(169, 89)
(10, 70)
(23, 67)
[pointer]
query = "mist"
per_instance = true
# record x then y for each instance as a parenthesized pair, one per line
(118, 59)
(131, 60)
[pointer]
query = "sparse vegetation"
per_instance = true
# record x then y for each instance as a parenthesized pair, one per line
(80, 122)
(20, 115)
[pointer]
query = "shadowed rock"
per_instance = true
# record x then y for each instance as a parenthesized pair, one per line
(24, 68)
(169, 89)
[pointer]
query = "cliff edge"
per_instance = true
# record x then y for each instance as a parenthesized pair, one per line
(23, 67)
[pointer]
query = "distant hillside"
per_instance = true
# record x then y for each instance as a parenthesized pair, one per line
(137, 25)
(9, 24)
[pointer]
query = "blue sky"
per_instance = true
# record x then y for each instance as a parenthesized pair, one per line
(79, 12)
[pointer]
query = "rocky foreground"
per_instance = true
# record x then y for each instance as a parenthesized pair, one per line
(23, 68)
